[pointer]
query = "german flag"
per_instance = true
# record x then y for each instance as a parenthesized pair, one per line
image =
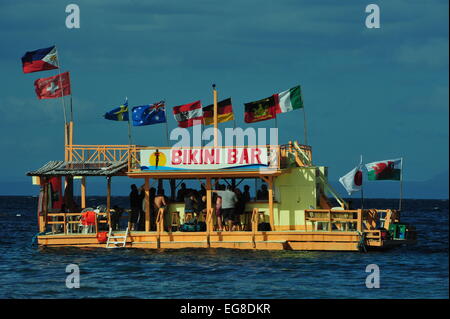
(224, 112)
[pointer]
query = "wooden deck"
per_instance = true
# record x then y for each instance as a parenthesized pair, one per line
(270, 240)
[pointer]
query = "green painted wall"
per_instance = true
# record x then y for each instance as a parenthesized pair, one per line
(294, 192)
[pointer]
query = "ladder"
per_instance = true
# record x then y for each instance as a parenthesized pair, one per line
(114, 242)
(321, 176)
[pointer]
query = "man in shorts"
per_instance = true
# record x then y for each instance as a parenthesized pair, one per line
(229, 200)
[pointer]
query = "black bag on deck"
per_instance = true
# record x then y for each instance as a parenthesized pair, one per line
(263, 227)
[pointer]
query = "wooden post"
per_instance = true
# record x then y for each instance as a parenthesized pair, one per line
(330, 226)
(66, 142)
(147, 204)
(43, 219)
(215, 115)
(360, 218)
(108, 199)
(271, 216)
(70, 140)
(83, 192)
(208, 199)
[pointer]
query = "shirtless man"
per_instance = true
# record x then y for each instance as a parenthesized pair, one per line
(160, 202)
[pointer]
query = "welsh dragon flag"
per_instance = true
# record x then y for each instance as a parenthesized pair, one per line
(385, 170)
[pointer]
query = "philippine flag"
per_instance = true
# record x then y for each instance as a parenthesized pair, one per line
(40, 60)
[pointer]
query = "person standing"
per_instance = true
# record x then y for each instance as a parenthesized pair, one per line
(135, 206)
(246, 194)
(161, 201)
(229, 200)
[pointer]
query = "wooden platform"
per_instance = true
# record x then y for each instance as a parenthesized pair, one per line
(271, 240)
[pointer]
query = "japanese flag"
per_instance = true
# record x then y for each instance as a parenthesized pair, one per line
(352, 181)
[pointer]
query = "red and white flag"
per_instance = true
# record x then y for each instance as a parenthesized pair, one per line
(188, 114)
(352, 181)
(53, 87)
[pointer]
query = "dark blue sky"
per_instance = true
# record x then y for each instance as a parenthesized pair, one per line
(381, 92)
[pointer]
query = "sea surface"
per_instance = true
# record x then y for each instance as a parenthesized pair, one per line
(418, 271)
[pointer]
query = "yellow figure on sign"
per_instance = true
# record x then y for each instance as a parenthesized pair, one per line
(157, 159)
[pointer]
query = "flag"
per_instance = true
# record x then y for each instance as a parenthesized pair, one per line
(40, 60)
(385, 170)
(188, 113)
(224, 112)
(53, 87)
(119, 113)
(352, 181)
(261, 110)
(149, 114)
(289, 100)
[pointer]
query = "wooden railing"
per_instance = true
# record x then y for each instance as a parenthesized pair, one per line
(362, 220)
(302, 159)
(98, 153)
(68, 221)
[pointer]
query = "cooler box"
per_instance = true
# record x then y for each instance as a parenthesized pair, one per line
(401, 231)
(393, 230)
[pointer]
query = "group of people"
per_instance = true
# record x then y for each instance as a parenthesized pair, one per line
(229, 203)
(137, 206)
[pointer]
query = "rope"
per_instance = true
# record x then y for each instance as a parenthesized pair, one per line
(362, 242)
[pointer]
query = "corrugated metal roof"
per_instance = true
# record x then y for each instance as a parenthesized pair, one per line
(58, 168)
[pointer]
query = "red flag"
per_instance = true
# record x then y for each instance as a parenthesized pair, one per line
(261, 110)
(188, 113)
(53, 87)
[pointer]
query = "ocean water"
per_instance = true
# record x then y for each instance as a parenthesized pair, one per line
(418, 271)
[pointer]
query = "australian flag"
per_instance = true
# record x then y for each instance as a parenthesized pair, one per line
(149, 114)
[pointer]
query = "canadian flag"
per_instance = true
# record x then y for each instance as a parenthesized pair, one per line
(188, 114)
(53, 87)
(352, 181)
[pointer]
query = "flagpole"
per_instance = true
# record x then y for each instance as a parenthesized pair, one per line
(304, 127)
(167, 134)
(401, 186)
(362, 183)
(67, 131)
(362, 197)
(71, 108)
(129, 132)
(215, 115)
(60, 83)
(304, 119)
(129, 123)
(167, 127)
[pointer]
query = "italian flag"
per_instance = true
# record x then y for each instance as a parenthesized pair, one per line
(289, 100)
(385, 170)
